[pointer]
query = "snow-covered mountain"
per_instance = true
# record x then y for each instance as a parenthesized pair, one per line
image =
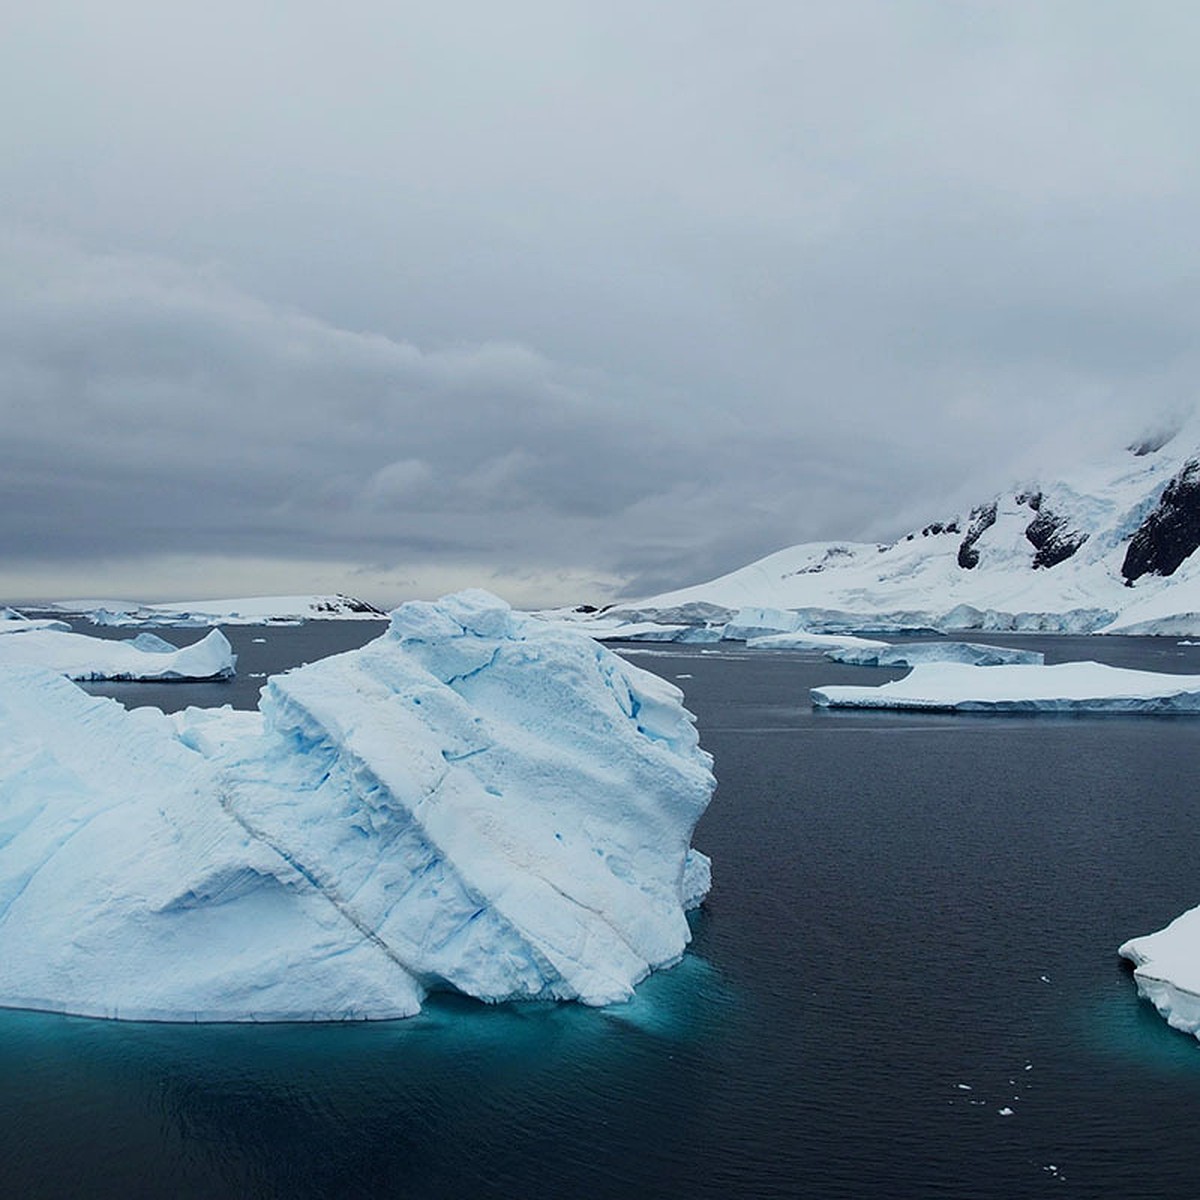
(1108, 546)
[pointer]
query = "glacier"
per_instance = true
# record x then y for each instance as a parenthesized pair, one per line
(146, 657)
(1076, 687)
(1167, 970)
(475, 801)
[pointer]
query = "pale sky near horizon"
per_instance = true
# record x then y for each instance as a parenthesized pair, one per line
(569, 300)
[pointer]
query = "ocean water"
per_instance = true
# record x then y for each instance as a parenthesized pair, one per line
(913, 926)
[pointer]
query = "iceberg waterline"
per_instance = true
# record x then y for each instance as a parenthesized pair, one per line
(474, 801)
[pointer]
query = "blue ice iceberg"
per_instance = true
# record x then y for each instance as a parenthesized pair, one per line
(474, 801)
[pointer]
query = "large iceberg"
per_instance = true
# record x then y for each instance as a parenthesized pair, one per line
(1167, 970)
(909, 654)
(474, 801)
(146, 657)
(1065, 687)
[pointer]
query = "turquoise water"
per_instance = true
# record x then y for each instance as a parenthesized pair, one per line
(912, 927)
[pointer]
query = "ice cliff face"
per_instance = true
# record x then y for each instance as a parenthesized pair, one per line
(1110, 546)
(473, 801)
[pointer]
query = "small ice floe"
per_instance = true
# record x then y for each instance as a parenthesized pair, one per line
(1044, 978)
(1029, 1066)
(964, 1087)
(1005, 1112)
(683, 677)
(260, 641)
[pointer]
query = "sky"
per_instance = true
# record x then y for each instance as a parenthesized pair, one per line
(573, 301)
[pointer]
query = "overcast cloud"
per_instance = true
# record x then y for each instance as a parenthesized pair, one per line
(569, 300)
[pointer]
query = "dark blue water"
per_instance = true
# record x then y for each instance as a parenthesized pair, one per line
(902, 905)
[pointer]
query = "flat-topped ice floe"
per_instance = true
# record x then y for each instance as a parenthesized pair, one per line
(1167, 970)
(1066, 687)
(909, 654)
(474, 801)
(651, 631)
(827, 643)
(252, 610)
(145, 657)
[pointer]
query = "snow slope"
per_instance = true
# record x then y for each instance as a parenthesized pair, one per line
(145, 657)
(474, 801)
(1065, 687)
(1111, 545)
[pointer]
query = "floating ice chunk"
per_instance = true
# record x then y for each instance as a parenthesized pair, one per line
(146, 657)
(1167, 970)
(649, 631)
(12, 621)
(760, 622)
(476, 800)
(1066, 687)
(911, 653)
(829, 643)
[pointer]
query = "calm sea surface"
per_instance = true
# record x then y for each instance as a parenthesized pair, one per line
(913, 925)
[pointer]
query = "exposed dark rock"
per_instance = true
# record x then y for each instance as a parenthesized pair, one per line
(1151, 442)
(341, 603)
(585, 608)
(1171, 532)
(937, 527)
(1051, 538)
(982, 519)
(1033, 499)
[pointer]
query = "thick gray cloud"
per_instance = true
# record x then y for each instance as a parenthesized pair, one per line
(570, 299)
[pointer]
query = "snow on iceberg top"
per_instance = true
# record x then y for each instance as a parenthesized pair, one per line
(475, 800)
(1065, 687)
(255, 610)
